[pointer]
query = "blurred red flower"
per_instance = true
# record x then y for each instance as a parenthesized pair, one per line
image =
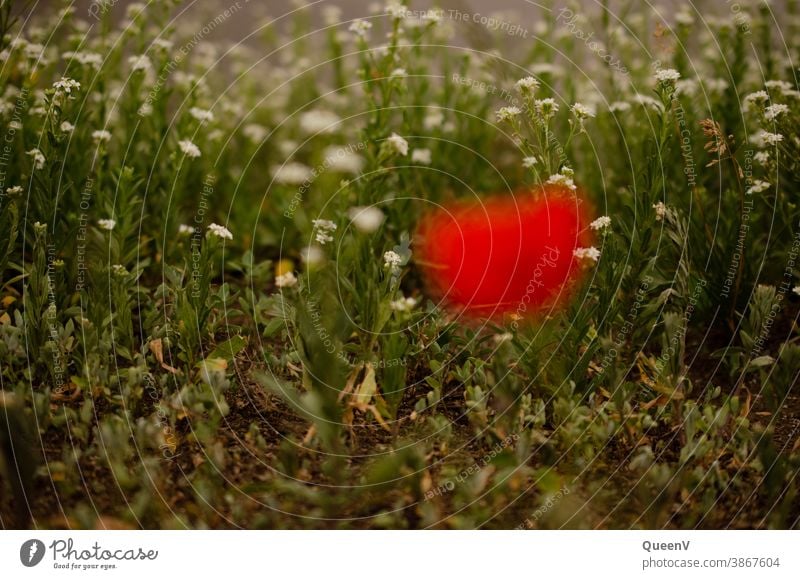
(505, 255)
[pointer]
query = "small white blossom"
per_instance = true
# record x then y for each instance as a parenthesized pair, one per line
(399, 73)
(396, 10)
(619, 107)
(66, 85)
(343, 160)
(772, 138)
(772, 112)
(529, 162)
(600, 223)
(324, 229)
(66, 127)
(319, 122)
(762, 157)
(92, 59)
(366, 219)
(184, 229)
(780, 85)
(403, 304)
(591, 253)
(292, 173)
(219, 231)
(107, 224)
(189, 148)
(255, 132)
(312, 255)
(563, 180)
(796, 289)
(546, 107)
(101, 136)
(398, 144)
(758, 186)
(661, 210)
(507, 113)
(667, 76)
(287, 279)
(38, 158)
(582, 111)
(140, 63)
(119, 270)
(16, 189)
(201, 114)
(360, 27)
(421, 156)
(527, 85)
(392, 261)
(759, 97)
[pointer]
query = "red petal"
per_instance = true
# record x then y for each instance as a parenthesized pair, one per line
(505, 255)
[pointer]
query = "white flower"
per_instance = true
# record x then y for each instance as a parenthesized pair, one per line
(145, 110)
(184, 229)
(619, 107)
(101, 136)
(762, 157)
(421, 156)
(189, 148)
(201, 114)
(324, 229)
(287, 279)
(38, 158)
(66, 85)
(398, 143)
(396, 10)
(118, 269)
(529, 162)
(587, 253)
(67, 127)
(107, 224)
(758, 186)
(312, 255)
(92, 59)
(398, 73)
(255, 132)
(661, 210)
(343, 160)
(780, 85)
(366, 219)
(759, 98)
(403, 304)
(360, 27)
(433, 120)
(772, 138)
(527, 85)
(219, 231)
(600, 223)
(392, 261)
(796, 289)
(292, 173)
(773, 111)
(582, 111)
(140, 63)
(667, 75)
(507, 113)
(563, 180)
(319, 122)
(546, 107)
(14, 190)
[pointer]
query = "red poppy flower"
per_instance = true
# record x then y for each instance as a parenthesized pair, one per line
(509, 255)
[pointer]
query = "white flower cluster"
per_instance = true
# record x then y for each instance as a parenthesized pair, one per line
(398, 144)
(601, 223)
(219, 231)
(287, 279)
(590, 253)
(189, 148)
(324, 229)
(403, 304)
